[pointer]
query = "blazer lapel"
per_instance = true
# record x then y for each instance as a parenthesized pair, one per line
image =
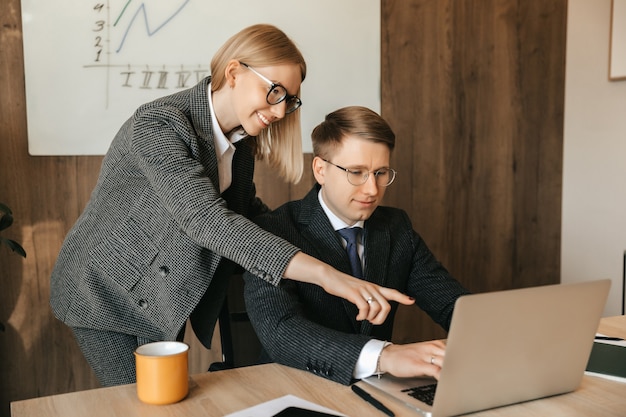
(325, 243)
(317, 230)
(200, 114)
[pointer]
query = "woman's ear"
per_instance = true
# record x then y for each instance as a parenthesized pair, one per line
(319, 166)
(231, 72)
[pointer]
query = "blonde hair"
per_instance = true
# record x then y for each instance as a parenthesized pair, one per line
(265, 45)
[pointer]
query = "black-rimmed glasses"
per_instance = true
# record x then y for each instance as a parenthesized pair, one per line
(384, 176)
(277, 93)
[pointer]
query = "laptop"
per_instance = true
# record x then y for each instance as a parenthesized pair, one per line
(506, 347)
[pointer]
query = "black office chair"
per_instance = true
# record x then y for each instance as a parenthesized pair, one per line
(239, 343)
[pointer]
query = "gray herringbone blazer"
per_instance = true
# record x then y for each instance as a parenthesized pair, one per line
(156, 233)
(302, 326)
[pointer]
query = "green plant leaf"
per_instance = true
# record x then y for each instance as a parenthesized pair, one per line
(14, 246)
(5, 209)
(6, 220)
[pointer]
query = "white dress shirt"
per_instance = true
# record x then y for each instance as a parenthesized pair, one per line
(224, 148)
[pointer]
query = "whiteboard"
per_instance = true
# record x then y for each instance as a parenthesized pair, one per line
(90, 64)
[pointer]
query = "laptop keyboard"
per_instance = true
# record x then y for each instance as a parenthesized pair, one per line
(425, 393)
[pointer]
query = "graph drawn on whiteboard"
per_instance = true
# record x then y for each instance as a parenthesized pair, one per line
(132, 76)
(90, 64)
(112, 30)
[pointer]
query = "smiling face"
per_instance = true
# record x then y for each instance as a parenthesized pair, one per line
(246, 105)
(352, 203)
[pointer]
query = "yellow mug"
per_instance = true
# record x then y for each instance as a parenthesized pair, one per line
(162, 372)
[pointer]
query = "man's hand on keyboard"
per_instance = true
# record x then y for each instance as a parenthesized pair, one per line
(413, 359)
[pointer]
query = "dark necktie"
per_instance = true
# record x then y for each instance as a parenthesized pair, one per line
(350, 234)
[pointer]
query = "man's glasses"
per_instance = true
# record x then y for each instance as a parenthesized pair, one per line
(383, 176)
(278, 93)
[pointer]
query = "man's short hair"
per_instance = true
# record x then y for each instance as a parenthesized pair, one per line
(350, 121)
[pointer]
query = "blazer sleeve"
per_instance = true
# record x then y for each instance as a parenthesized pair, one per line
(291, 339)
(434, 289)
(162, 141)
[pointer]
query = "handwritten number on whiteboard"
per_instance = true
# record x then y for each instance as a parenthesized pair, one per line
(98, 46)
(99, 27)
(138, 13)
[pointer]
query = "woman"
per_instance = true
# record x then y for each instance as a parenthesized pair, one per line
(168, 219)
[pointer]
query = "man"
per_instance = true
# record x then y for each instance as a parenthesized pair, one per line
(300, 325)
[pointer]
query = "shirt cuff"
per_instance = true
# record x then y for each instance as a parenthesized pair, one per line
(366, 364)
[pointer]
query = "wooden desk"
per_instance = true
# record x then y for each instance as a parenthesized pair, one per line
(613, 326)
(224, 392)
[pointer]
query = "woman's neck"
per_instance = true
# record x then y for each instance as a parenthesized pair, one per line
(224, 114)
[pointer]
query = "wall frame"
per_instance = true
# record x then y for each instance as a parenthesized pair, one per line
(617, 48)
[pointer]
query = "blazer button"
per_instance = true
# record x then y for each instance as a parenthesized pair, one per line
(164, 271)
(143, 304)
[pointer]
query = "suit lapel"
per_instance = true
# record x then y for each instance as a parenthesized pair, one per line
(327, 247)
(238, 194)
(200, 115)
(324, 243)
(318, 231)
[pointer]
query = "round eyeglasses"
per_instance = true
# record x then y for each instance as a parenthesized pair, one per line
(277, 93)
(383, 176)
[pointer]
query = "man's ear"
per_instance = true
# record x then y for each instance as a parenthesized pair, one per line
(319, 167)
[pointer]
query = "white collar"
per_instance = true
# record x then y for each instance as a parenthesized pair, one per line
(222, 143)
(336, 222)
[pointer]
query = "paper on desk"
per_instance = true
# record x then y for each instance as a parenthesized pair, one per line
(609, 342)
(270, 408)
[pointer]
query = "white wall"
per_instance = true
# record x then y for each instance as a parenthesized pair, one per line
(594, 172)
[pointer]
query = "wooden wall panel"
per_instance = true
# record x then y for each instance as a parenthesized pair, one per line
(474, 91)
(37, 353)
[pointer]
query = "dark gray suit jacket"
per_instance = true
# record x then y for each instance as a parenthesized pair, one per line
(302, 326)
(156, 233)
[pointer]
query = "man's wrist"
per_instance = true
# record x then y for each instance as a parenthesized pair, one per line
(379, 371)
(365, 365)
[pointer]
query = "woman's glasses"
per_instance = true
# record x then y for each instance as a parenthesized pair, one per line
(278, 93)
